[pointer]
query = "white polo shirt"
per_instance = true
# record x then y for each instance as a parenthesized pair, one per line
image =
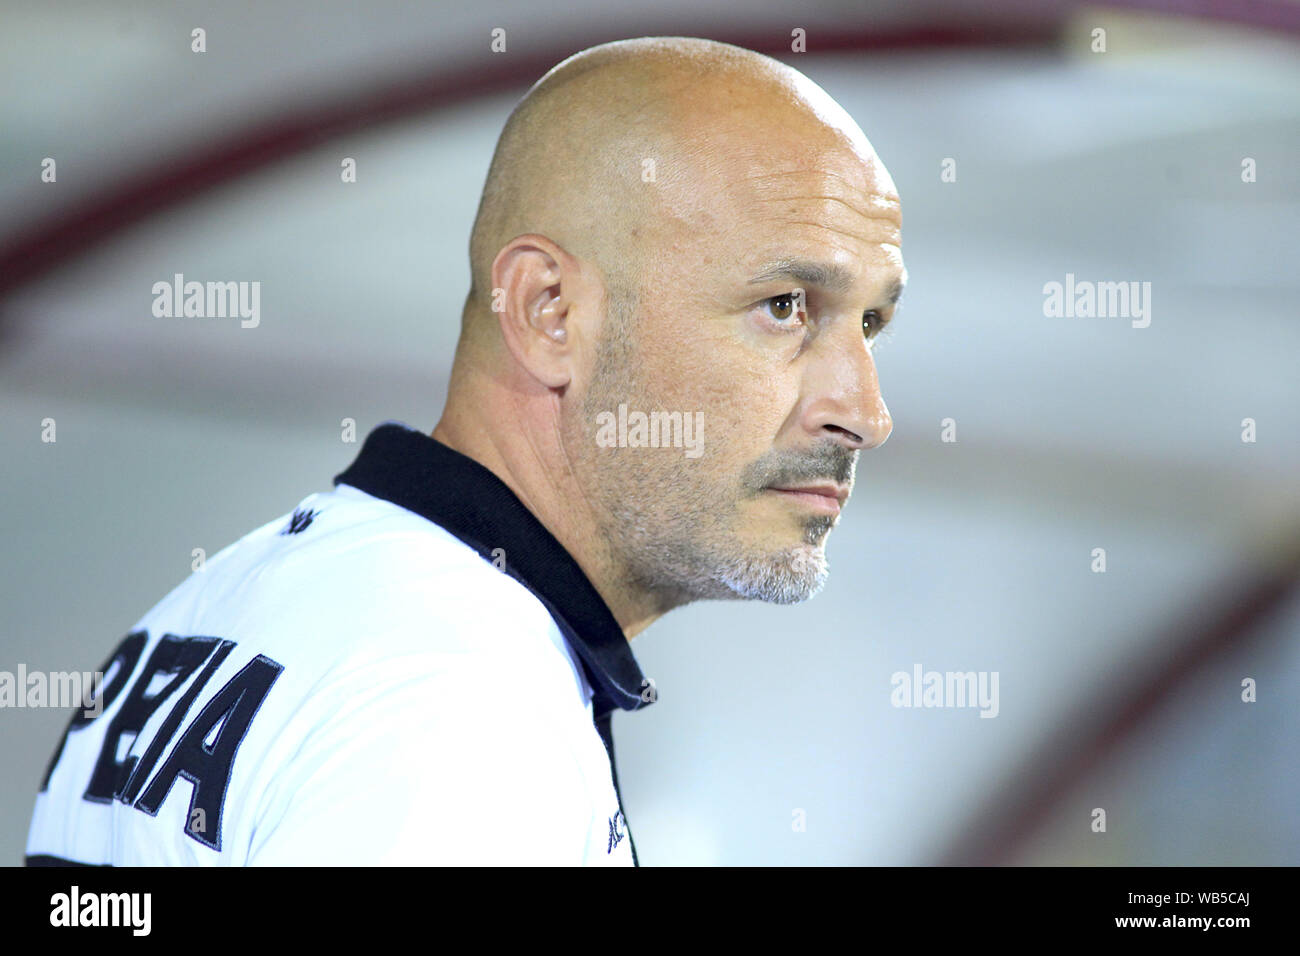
(408, 669)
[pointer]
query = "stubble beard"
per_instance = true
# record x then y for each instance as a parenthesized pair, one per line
(672, 531)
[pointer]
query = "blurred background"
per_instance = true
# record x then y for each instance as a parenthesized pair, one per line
(1169, 157)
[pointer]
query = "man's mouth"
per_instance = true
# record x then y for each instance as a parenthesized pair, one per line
(825, 498)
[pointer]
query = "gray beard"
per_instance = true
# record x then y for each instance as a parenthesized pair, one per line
(696, 560)
(786, 578)
(687, 551)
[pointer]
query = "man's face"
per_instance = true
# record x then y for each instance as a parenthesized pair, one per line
(763, 288)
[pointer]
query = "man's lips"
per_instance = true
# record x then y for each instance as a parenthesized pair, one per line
(828, 498)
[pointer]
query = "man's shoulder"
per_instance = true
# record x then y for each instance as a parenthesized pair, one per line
(352, 597)
(350, 579)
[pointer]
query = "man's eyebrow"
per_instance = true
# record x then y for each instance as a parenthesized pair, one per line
(825, 275)
(896, 290)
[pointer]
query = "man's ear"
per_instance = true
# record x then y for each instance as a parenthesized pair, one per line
(535, 288)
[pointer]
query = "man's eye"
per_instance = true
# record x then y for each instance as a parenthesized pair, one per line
(872, 323)
(783, 307)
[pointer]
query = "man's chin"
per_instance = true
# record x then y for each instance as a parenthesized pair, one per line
(790, 576)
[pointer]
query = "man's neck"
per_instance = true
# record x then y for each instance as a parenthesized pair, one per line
(540, 479)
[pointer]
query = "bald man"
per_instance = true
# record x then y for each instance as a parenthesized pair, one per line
(683, 254)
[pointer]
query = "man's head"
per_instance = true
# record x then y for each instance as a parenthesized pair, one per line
(679, 226)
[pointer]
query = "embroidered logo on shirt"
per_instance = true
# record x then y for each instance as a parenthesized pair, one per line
(300, 522)
(617, 830)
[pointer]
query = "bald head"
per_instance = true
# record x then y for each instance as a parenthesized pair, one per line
(610, 142)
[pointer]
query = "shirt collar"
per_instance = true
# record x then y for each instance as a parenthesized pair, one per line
(421, 474)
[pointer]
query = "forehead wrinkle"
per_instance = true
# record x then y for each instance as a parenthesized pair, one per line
(864, 204)
(856, 178)
(892, 238)
(854, 186)
(834, 199)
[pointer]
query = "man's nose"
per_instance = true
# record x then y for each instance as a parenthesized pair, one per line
(843, 393)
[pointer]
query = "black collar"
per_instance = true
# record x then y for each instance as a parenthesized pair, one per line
(421, 474)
